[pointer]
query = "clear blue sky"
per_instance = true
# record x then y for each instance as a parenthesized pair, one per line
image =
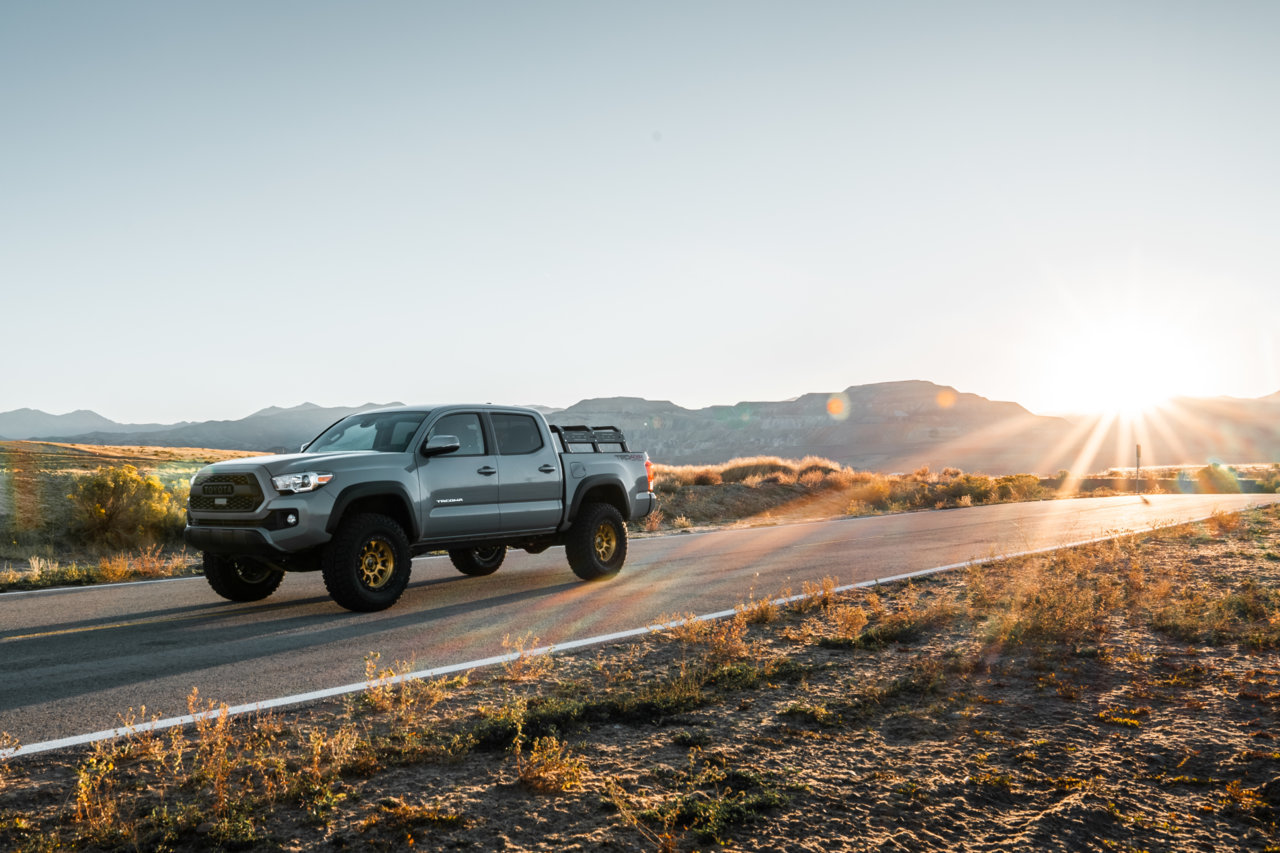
(207, 208)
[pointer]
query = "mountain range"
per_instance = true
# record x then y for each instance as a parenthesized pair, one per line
(888, 426)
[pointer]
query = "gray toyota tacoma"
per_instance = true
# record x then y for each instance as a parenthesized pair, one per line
(380, 487)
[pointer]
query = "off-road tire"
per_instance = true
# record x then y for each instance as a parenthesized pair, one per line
(596, 544)
(478, 562)
(366, 564)
(240, 578)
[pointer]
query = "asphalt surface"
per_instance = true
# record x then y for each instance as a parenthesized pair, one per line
(72, 661)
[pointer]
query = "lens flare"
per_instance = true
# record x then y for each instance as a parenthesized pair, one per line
(838, 407)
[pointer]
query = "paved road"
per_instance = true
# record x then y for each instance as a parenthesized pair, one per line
(72, 660)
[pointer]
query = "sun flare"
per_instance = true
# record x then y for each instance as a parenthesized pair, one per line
(1116, 378)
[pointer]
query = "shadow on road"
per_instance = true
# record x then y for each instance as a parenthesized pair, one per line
(86, 656)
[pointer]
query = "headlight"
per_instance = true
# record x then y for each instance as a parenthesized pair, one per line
(294, 483)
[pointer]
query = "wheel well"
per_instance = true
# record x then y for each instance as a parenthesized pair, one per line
(606, 494)
(388, 505)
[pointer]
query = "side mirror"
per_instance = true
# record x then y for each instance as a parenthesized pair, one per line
(440, 444)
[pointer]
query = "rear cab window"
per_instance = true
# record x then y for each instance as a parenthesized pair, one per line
(517, 434)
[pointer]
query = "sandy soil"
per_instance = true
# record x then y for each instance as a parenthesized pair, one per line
(787, 735)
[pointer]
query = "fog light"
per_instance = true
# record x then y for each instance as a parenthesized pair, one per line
(291, 519)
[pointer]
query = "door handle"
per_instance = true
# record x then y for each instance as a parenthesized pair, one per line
(547, 469)
(487, 470)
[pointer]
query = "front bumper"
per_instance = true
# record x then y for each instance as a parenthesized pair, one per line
(265, 532)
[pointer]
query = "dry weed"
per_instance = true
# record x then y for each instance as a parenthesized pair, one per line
(214, 757)
(727, 640)
(8, 746)
(1051, 598)
(664, 839)
(1222, 523)
(97, 807)
(758, 610)
(550, 767)
(847, 620)
(685, 628)
(529, 662)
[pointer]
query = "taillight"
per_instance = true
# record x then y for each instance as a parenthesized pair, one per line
(648, 471)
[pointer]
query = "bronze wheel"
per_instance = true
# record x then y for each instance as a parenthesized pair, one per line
(596, 544)
(377, 563)
(606, 541)
(366, 564)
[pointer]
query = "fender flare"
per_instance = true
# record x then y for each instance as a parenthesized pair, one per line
(377, 489)
(612, 482)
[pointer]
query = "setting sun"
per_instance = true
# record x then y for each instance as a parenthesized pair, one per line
(1121, 376)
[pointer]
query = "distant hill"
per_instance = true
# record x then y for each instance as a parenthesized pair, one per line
(888, 426)
(899, 426)
(272, 429)
(30, 423)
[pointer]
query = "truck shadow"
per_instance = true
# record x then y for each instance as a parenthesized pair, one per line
(83, 657)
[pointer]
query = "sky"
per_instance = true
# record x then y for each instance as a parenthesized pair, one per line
(210, 208)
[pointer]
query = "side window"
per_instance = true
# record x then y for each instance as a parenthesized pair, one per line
(517, 434)
(466, 426)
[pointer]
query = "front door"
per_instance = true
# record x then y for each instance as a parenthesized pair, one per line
(459, 489)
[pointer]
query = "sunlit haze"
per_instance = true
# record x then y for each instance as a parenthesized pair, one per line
(212, 208)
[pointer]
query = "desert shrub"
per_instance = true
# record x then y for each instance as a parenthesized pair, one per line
(841, 479)
(910, 492)
(1216, 480)
(666, 481)
(874, 493)
(1269, 481)
(1019, 487)
(737, 470)
(817, 464)
(978, 487)
(122, 508)
(812, 479)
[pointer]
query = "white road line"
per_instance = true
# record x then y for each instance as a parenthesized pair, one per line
(436, 672)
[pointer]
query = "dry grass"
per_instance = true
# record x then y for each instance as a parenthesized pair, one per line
(1121, 695)
(142, 564)
(550, 766)
(528, 663)
(40, 519)
(758, 486)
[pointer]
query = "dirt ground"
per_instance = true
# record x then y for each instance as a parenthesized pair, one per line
(913, 718)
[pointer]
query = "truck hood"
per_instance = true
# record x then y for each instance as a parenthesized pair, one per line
(292, 463)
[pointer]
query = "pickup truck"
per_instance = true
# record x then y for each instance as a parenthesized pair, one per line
(380, 487)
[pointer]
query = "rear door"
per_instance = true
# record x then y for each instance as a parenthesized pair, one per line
(459, 489)
(529, 475)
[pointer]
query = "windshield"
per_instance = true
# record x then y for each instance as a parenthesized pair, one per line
(386, 432)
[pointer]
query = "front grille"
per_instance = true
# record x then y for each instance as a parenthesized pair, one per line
(226, 493)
